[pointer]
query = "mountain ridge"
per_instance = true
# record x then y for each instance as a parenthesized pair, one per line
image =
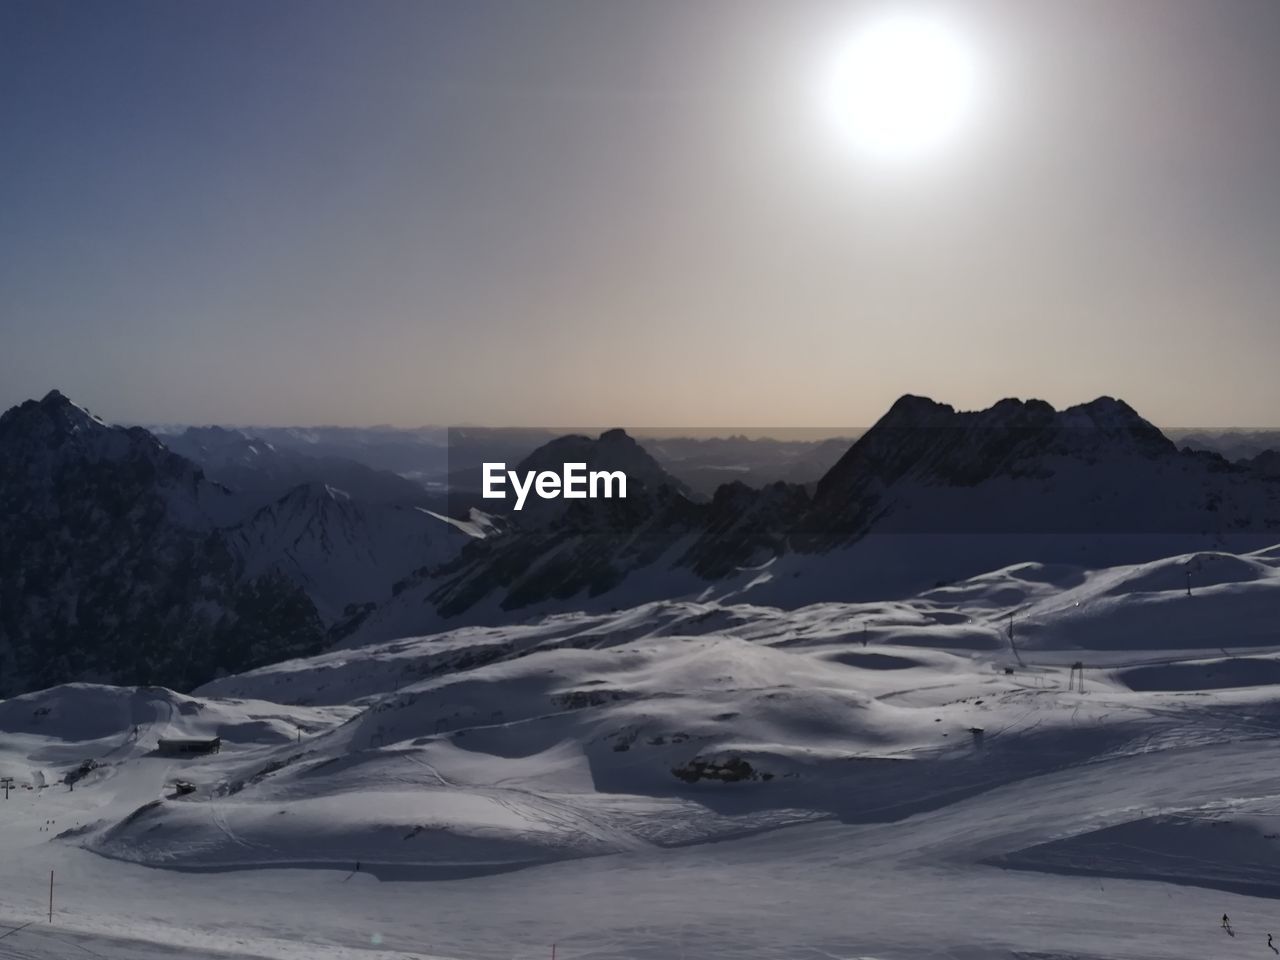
(123, 560)
(1020, 475)
(927, 495)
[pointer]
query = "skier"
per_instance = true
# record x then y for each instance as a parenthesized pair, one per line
(1226, 921)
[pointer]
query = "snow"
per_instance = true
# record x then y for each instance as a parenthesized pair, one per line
(560, 781)
(340, 551)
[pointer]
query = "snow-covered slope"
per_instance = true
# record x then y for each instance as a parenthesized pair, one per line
(656, 702)
(345, 554)
(880, 778)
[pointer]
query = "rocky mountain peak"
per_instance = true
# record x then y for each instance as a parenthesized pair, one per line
(46, 435)
(934, 444)
(614, 449)
(52, 419)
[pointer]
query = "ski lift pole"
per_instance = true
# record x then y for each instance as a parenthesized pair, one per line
(1013, 646)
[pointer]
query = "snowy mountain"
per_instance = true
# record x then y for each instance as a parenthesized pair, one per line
(431, 457)
(346, 555)
(613, 450)
(121, 560)
(928, 495)
(117, 537)
(866, 780)
(1040, 459)
(559, 547)
(403, 451)
(258, 468)
(113, 563)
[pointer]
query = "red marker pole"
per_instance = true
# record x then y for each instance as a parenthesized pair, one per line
(51, 896)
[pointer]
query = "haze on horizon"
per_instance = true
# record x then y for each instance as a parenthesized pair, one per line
(610, 212)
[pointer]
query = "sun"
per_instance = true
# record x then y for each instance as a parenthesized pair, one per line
(903, 85)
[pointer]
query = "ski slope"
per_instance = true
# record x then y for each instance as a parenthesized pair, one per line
(891, 780)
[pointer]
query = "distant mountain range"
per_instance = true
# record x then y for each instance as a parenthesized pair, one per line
(440, 458)
(125, 561)
(266, 471)
(1234, 444)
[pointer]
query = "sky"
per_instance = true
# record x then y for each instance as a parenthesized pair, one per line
(619, 212)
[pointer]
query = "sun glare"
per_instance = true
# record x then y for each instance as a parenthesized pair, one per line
(902, 86)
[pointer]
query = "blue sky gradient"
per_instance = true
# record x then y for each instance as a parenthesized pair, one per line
(604, 211)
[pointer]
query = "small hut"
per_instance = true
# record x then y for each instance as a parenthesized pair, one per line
(188, 747)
